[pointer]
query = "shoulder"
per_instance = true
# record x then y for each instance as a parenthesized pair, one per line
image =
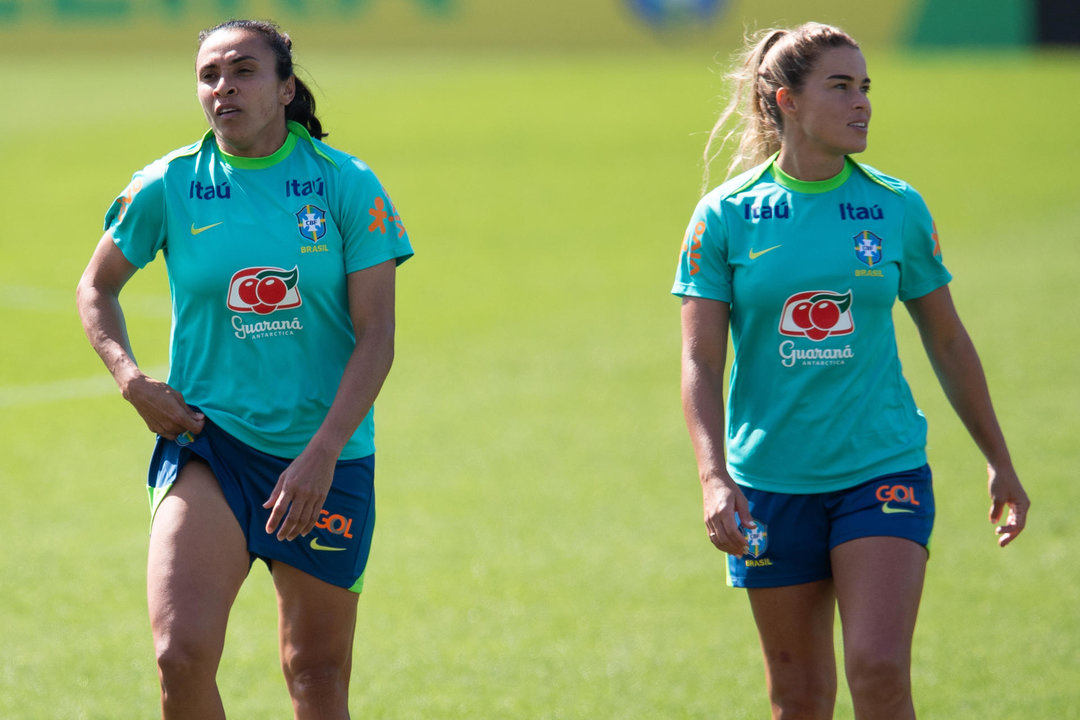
(911, 197)
(177, 160)
(732, 187)
(327, 154)
(732, 192)
(188, 154)
(890, 183)
(347, 169)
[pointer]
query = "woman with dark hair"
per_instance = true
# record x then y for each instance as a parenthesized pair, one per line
(281, 252)
(814, 476)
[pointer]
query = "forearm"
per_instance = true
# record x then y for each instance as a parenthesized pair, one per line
(366, 370)
(703, 409)
(105, 328)
(961, 375)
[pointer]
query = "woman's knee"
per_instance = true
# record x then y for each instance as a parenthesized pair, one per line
(808, 695)
(180, 661)
(879, 677)
(315, 673)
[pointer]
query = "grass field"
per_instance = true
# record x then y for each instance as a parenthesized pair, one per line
(539, 551)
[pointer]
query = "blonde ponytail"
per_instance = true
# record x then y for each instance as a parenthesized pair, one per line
(771, 59)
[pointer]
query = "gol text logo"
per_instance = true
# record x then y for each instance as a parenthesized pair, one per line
(335, 524)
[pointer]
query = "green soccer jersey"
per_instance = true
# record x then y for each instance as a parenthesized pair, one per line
(817, 401)
(257, 251)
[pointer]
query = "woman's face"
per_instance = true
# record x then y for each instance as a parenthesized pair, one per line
(240, 93)
(830, 115)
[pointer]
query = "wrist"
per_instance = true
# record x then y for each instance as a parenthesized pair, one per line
(126, 375)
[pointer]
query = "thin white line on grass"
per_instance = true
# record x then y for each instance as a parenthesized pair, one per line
(43, 299)
(71, 389)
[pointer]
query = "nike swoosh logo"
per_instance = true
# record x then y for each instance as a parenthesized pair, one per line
(315, 545)
(889, 510)
(204, 228)
(756, 255)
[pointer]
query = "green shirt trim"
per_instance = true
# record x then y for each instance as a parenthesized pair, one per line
(296, 133)
(812, 187)
(258, 163)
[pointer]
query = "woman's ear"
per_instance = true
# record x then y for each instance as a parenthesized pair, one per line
(288, 90)
(785, 101)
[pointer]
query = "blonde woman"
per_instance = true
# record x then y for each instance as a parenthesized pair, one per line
(814, 475)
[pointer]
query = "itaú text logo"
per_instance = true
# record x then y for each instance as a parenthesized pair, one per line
(262, 290)
(817, 314)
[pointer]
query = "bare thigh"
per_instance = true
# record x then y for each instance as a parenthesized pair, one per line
(795, 625)
(197, 562)
(317, 624)
(879, 582)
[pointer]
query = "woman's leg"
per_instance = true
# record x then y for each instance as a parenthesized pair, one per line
(879, 583)
(795, 624)
(197, 562)
(317, 623)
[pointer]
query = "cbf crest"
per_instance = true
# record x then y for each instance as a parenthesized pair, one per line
(868, 248)
(311, 222)
(757, 538)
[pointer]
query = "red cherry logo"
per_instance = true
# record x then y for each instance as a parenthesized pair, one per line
(271, 290)
(824, 314)
(800, 315)
(248, 290)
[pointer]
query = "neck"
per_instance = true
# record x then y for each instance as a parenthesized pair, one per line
(265, 144)
(807, 166)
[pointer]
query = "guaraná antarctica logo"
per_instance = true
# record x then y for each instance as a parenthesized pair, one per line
(262, 290)
(817, 314)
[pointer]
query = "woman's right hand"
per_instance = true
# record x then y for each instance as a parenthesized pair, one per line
(723, 500)
(161, 407)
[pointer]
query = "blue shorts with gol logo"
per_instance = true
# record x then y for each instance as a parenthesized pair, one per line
(795, 533)
(336, 551)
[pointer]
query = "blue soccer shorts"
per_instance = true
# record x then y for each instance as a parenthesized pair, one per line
(795, 533)
(336, 551)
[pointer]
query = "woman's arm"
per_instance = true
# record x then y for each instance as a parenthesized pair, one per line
(956, 363)
(98, 297)
(304, 485)
(704, 355)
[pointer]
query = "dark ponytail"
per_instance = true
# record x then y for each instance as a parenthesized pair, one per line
(302, 107)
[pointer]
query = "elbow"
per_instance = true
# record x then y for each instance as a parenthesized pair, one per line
(86, 295)
(380, 338)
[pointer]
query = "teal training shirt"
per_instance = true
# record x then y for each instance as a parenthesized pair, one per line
(817, 401)
(257, 250)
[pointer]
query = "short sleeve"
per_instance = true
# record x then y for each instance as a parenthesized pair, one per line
(370, 224)
(136, 219)
(922, 270)
(703, 270)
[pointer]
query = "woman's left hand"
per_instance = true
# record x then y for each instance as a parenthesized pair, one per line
(1006, 491)
(299, 495)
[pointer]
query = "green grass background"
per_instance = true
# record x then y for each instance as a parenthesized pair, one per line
(539, 550)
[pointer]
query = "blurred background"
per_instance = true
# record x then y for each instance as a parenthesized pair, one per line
(539, 551)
